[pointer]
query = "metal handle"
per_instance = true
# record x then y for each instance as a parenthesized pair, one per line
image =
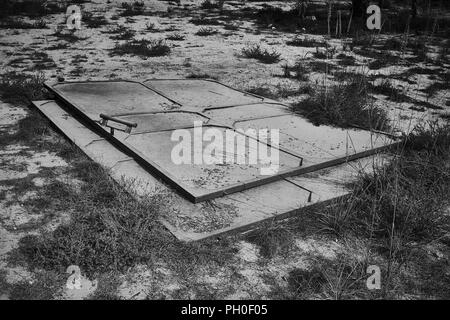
(105, 118)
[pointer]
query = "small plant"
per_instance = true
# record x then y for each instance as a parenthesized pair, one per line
(386, 88)
(208, 4)
(200, 76)
(93, 21)
(345, 60)
(297, 71)
(382, 60)
(206, 31)
(143, 48)
(175, 37)
(394, 44)
(263, 91)
(20, 24)
(151, 26)
(22, 88)
(364, 40)
(231, 27)
(262, 55)
(133, 9)
(205, 21)
(122, 33)
(305, 42)
(67, 35)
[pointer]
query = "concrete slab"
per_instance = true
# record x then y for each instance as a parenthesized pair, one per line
(202, 179)
(318, 144)
(201, 94)
(231, 213)
(151, 114)
(111, 97)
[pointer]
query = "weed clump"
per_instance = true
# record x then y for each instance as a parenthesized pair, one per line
(206, 31)
(306, 42)
(175, 37)
(404, 201)
(260, 54)
(143, 48)
(22, 88)
(20, 24)
(343, 105)
(133, 9)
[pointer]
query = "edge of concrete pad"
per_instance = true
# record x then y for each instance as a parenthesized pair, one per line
(330, 189)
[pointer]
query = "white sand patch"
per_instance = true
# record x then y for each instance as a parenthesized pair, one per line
(324, 249)
(248, 252)
(142, 282)
(10, 114)
(14, 217)
(33, 163)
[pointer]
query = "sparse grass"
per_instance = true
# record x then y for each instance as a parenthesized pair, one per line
(122, 33)
(59, 46)
(260, 54)
(263, 91)
(196, 75)
(435, 87)
(345, 60)
(337, 279)
(205, 21)
(231, 27)
(328, 53)
(69, 36)
(175, 37)
(151, 26)
(22, 88)
(398, 211)
(44, 286)
(143, 48)
(111, 230)
(363, 39)
(405, 199)
(380, 59)
(107, 287)
(271, 240)
(321, 66)
(20, 24)
(420, 49)
(41, 61)
(133, 9)
(386, 88)
(34, 8)
(207, 4)
(91, 20)
(343, 105)
(281, 19)
(206, 31)
(279, 90)
(298, 71)
(394, 43)
(306, 42)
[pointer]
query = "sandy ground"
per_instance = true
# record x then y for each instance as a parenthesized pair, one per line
(250, 276)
